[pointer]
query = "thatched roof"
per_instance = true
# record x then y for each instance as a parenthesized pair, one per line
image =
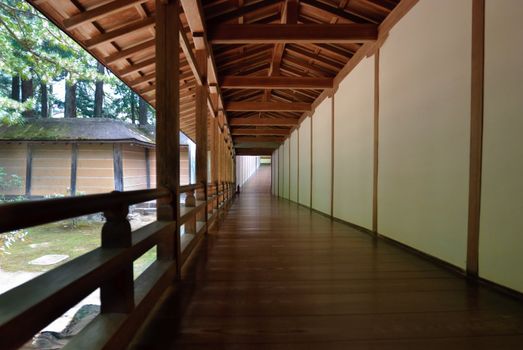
(77, 129)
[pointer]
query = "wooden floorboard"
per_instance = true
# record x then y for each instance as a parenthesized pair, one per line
(277, 276)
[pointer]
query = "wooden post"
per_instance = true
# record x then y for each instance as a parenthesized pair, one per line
(118, 167)
(168, 122)
(476, 134)
(147, 167)
(376, 137)
(201, 128)
(74, 168)
(117, 293)
(28, 169)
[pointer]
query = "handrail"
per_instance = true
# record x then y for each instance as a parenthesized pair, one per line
(191, 187)
(15, 216)
(30, 306)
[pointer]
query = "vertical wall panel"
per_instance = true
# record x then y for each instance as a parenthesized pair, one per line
(13, 160)
(305, 162)
(353, 146)
(501, 227)
(281, 160)
(95, 173)
(274, 169)
(134, 172)
(293, 195)
(286, 164)
(425, 75)
(321, 157)
(51, 169)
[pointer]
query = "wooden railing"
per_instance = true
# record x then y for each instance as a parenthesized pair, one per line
(125, 301)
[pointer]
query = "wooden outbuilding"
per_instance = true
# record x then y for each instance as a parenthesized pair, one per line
(80, 156)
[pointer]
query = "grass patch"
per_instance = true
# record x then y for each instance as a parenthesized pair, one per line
(57, 238)
(61, 238)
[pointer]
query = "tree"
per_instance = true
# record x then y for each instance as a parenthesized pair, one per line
(142, 113)
(99, 93)
(44, 100)
(15, 88)
(70, 99)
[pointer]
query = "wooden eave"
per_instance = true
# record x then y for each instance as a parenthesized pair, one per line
(261, 53)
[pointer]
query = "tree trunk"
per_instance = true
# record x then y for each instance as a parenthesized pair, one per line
(44, 112)
(142, 112)
(70, 100)
(133, 108)
(99, 94)
(27, 93)
(15, 88)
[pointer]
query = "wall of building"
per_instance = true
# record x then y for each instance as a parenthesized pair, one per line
(95, 169)
(304, 163)
(293, 160)
(501, 227)
(424, 129)
(353, 146)
(134, 168)
(246, 166)
(423, 126)
(321, 157)
(13, 160)
(51, 169)
(286, 169)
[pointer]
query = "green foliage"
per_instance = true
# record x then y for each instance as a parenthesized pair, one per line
(8, 182)
(34, 48)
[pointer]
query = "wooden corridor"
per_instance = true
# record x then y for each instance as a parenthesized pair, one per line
(276, 276)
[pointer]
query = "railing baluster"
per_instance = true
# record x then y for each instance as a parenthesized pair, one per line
(117, 293)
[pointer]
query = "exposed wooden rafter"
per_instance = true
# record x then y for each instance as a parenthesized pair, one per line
(292, 33)
(267, 106)
(276, 82)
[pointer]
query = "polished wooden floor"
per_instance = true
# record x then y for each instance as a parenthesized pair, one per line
(276, 276)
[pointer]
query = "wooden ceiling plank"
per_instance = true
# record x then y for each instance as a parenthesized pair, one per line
(129, 52)
(136, 67)
(267, 106)
(118, 33)
(263, 121)
(267, 132)
(99, 12)
(276, 82)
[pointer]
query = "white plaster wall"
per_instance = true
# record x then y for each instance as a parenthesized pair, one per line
(281, 162)
(274, 172)
(321, 156)
(501, 228)
(353, 145)
(424, 129)
(293, 144)
(304, 186)
(286, 170)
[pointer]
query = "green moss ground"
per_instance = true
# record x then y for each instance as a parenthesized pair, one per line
(60, 238)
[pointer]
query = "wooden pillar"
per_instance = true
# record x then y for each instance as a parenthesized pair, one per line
(376, 137)
(118, 167)
(28, 169)
(476, 134)
(168, 122)
(201, 118)
(74, 168)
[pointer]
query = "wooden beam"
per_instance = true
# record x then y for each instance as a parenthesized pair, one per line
(241, 139)
(99, 12)
(254, 151)
(263, 121)
(281, 132)
(276, 82)
(118, 33)
(191, 60)
(267, 106)
(292, 33)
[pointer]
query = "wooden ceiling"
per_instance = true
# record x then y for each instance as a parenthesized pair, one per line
(270, 61)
